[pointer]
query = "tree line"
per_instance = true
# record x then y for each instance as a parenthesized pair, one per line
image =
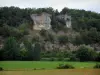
(12, 50)
(81, 19)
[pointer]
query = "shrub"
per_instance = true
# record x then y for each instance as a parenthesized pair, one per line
(45, 59)
(65, 66)
(97, 66)
(49, 59)
(1, 68)
(73, 58)
(66, 59)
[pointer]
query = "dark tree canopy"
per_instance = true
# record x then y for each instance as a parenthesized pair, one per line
(11, 49)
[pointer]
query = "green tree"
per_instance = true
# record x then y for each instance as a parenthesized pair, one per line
(78, 40)
(37, 50)
(93, 35)
(85, 53)
(90, 36)
(30, 50)
(98, 57)
(1, 54)
(11, 49)
(64, 10)
(7, 31)
(23, 52)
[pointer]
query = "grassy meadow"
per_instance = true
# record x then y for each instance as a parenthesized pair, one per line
(30, 65)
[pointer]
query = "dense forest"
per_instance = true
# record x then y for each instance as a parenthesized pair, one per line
(20, 42)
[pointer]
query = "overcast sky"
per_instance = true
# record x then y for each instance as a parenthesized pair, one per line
(93, 5)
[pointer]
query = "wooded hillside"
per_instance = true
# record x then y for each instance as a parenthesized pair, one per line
(16, 32)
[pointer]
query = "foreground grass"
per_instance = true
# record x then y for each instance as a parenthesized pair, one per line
(17, 65)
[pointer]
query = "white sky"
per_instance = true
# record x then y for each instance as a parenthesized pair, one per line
(93, 5)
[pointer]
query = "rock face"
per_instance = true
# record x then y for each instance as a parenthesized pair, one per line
(66, 18)
(41, 21)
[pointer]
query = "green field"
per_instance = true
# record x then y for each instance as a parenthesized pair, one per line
(20, 65)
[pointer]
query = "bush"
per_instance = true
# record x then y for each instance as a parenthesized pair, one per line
(74, 59)
(65, 66)
(97, 66)
(45, 59)
(1, 68)
(49, 59)
(66, 59)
